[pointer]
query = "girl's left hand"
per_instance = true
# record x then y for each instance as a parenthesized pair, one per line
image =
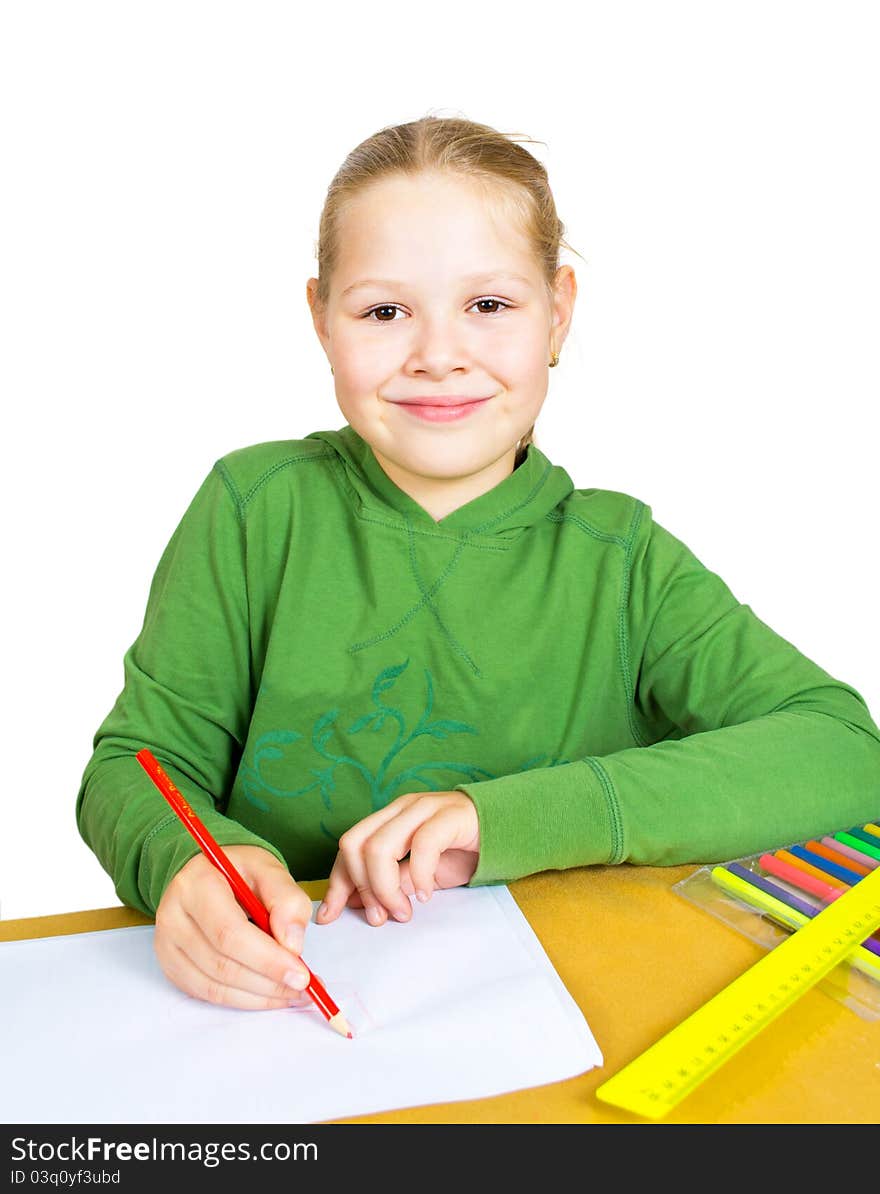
(439, 830)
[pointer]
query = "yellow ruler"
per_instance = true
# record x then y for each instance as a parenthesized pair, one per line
(659, 1078)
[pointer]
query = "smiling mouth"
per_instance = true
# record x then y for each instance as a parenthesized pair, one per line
(442, 403)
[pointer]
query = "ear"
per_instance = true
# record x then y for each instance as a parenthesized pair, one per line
(319, 315)
(564, 295)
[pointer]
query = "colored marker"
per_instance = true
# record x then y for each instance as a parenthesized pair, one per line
(869, 843)
(872, 828)
(801, 893)
(855, 843)
(808, 869)
(799, 877)
(849, 852)
(835, 856)
(861, 958)
(772, 889)
(793, 901)
(844, 874)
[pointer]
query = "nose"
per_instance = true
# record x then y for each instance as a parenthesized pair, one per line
(438, 346)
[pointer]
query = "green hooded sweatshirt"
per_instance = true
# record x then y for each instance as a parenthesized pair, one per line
(315, 644)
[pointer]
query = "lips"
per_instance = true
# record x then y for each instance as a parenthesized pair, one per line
(440, 411)
(441, 401)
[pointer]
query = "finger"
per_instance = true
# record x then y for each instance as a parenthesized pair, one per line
(429, 842)
(339, 887)
(350, 865)
(406, 884)
(255, 993)
(289, 908)
(456, 868)
(341, 890)
(226, 927)
(228, 971)
(390, 843)
(408, 887)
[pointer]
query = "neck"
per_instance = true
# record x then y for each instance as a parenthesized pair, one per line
(441, 496)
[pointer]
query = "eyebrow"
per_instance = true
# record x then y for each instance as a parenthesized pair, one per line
(470, 280)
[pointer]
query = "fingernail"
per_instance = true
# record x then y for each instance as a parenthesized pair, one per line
(322, 911)
(404, 912)
(297, 979)
(294, 938)
(374, 916)
(422, 897)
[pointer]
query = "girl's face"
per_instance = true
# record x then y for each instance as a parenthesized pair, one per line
(437, 296)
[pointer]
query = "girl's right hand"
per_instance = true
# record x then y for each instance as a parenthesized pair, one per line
(207, 946)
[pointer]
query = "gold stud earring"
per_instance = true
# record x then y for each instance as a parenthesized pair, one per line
(554, 362)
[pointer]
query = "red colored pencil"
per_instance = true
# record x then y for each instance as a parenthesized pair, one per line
(248, 900)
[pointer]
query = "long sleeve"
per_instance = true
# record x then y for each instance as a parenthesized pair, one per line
(741, 743)
(187, 696)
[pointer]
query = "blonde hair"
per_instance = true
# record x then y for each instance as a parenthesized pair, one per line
(505, 173)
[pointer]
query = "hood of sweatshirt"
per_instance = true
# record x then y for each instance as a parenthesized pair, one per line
(523, 498)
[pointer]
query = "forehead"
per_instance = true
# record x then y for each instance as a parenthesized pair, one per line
(431, 223)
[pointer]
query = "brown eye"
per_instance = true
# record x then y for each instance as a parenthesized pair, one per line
(498, 303)
(384, 307)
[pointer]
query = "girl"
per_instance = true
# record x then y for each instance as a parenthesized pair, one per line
(408, 653)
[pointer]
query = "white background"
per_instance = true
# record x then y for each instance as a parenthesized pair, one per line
(164, 167)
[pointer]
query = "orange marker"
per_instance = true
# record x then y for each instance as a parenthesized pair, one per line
(835, 856)
(828, 880)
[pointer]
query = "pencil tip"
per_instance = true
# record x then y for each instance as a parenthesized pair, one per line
(340, 1025)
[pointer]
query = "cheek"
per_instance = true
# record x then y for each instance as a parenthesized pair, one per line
(521, 350)
(364, 362)
(524, 372)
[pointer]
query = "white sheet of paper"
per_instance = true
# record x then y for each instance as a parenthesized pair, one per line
(461, 1002)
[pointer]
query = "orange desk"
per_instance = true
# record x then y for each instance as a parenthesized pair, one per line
(638, 959)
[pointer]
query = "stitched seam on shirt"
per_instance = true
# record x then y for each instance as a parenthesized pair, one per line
(623, 636)
(415, 609)
(372, 516)
(427, 595)
(303, 458)
(604, 536)
(424, 600)
(145, 862)
(530, 497)
(242, 518)
(376, 518)
(338, 470)
(613, 807)
(233, 489)
(463, 537)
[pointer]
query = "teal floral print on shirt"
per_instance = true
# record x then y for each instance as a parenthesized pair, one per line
(383, 784)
